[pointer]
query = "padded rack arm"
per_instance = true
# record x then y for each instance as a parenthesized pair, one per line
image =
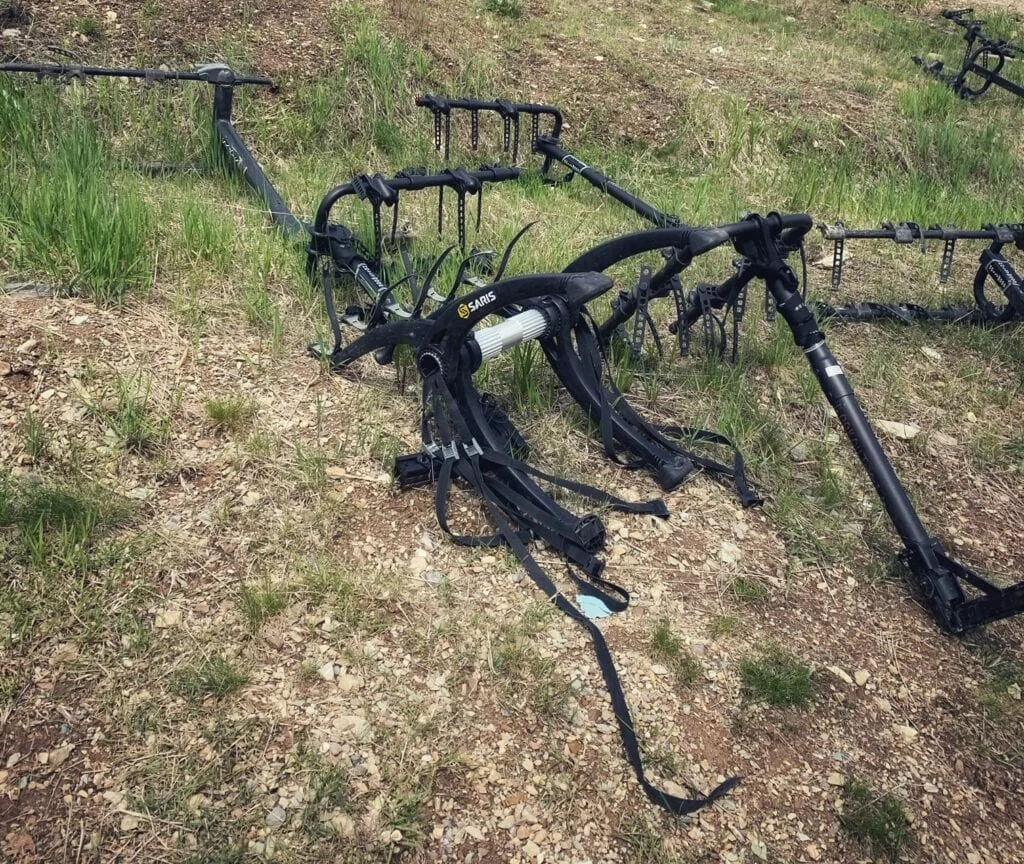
(510, 112)
(551, 149)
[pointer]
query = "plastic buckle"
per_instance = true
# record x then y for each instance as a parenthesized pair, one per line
(450, 451)
(472, 448)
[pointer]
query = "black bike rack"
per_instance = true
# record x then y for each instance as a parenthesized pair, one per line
(224, 81)
(940, 579)
(992, 265)
(984, 58)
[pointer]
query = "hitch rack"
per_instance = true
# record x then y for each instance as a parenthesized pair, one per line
(992, 265)
(981, 49)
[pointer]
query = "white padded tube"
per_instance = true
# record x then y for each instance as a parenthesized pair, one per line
(531, 324)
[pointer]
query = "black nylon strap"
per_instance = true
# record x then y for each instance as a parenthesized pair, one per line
(589, 348)
(620, 708)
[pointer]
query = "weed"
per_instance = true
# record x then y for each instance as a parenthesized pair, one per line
(231, 413)
(259, 604)
(777, 677)
(644, 842)
(669, 647)
(529, 679)
(34, 434)
(9, 687)
(89, 27)
(505, 8)
(876, 821)
(130, 416)
(722, 625)
(210, 676)
(749, 590)
(408, 817)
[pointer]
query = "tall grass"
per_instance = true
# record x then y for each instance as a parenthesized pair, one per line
(64, 214)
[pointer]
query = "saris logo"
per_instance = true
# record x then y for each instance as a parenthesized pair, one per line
(466, 309)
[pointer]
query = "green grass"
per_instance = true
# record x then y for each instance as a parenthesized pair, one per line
(209, 676)
(231, 413)
(505, 8)
(134, 421)
(669, 648)
(775, 676)
(67, 217)
(876, 821)
(260, 603)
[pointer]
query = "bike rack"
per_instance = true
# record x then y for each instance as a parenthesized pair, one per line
(992, 265)
(224, 81)
(940, 579)
(981, 50)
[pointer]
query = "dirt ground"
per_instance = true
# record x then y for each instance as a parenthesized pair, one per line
(408, 698)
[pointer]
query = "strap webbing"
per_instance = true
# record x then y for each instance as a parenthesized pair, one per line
(481, 470)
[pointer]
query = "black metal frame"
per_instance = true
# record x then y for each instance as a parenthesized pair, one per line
(940, 579)
(224, 80)
(547, 144)
(992, 265)
(981, 50)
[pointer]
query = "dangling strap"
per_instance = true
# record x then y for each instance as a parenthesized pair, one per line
(672, 803)
(589, 349)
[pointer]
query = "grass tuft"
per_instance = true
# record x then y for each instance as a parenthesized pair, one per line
(876, 821)
(211, 676)
(668, 647)
(775, 676)
(261, 603)
(231, 413)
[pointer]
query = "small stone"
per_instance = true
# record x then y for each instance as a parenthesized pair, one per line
(334, 472)
(943, 439)
(729, 553)
(129, 822)
(395, 836)
(140, 493)
(11, 33)
(60, 755)
(251, 498)
(972, 417)
(931, 353)
(717, 50)
(167, 618)
(5, 370)
(358, 726)
(79, 320)
(1013, 691)
(836, 779)
(861, 677)
(343, 825)
(973, 858)
(903, 431)
(433, 577)
(800, 453)
(111, 15)
(813, 852)
(27, 346)
(276, 817)
(841, 674)
(658, 669)
(417, 564)
(13, 759)
(347, 683)
(326, 671)
(907, 733)
(931, 788)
